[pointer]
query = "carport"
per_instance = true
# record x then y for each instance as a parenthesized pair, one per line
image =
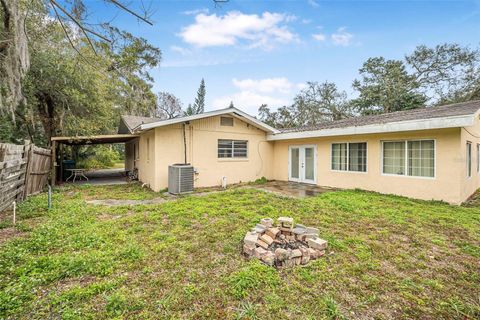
(59, 143)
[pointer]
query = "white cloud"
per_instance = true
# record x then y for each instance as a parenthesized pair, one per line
(342, 37)
(195, 11)
(313, 3)
(248, 101)
(275, 92)
(236, 27)
(180, 50)
(268, 85)
(319, 36)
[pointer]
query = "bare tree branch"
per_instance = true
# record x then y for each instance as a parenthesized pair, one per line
(121, 6)
(78, 23)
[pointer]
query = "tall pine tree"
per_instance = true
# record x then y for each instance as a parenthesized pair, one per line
(199, 105)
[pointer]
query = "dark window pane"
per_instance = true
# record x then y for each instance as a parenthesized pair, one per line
(226, 121)
(357, 157)
(339, 156)
(232, 148)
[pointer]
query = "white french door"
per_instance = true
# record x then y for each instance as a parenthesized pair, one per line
(302, 163)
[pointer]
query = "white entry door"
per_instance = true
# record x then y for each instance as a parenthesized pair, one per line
(302, 163)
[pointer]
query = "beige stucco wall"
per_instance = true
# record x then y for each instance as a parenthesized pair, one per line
(270, 159)
(469, 184)
(146, 160)
(202, 140)
(445, 186)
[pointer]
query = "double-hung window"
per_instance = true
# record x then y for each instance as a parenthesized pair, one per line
(349, 156)
(478, 157)
(414, 158)
(469, 159)
(232, 148)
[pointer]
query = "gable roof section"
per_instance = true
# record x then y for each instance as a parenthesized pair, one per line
(228, 111)
(129, 123)
(447, 116)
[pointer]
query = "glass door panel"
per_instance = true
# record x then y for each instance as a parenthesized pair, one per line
(309, 163)
(295, 163)
(302, 162)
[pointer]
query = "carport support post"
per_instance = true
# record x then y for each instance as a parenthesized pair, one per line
(54, 162)
(61, 146)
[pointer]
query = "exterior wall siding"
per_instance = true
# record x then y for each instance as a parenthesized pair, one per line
(201, 141)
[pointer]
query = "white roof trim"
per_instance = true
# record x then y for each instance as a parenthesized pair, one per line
(410, 125)
(232, 111)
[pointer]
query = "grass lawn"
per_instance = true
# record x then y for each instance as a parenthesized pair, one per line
(389, 257)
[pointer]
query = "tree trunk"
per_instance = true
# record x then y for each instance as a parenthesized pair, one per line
(46, 111)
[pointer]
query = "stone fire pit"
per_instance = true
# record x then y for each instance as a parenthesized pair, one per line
(285, 245)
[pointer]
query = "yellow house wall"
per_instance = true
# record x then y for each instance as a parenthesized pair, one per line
(270, 159)
(146, 159)
(204, 135)
(445, 186)
(469, 184)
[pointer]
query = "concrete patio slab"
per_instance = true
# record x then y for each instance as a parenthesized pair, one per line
(293, 189)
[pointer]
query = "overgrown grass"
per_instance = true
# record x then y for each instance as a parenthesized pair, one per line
(389, 257)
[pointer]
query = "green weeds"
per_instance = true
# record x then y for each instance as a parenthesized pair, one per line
(388, 256)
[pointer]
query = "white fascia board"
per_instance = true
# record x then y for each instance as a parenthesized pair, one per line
(249, 119)
(411, 125)
(231, 111)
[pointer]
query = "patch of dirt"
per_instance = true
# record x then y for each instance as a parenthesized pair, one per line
(115, 202)
(9, 233)
(105, 217)
(170, 197)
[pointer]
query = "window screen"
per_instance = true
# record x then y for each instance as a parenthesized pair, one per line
(339, 156)
(413, 158)
(478, 157)
(421, 158)
(394, 157)
(357, 157)
(349, 156)
(226, 121)
(232, 148)
(469, 159)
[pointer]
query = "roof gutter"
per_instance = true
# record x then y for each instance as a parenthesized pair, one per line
(411, 125)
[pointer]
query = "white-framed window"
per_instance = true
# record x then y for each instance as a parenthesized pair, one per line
(148, 149)
(469, 159)
(349, 156)
(226, 121)
(414, 158)
(232, 148)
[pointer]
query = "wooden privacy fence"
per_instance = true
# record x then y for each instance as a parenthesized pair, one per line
(24, 171)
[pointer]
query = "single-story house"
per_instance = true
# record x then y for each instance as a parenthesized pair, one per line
(427, 153)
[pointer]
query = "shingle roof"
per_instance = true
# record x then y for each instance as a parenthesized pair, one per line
(128, 123)
(457, 109)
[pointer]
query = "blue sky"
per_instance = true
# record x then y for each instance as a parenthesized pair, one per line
(254, 52)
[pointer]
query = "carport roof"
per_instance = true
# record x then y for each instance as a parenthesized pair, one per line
(98, 139)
